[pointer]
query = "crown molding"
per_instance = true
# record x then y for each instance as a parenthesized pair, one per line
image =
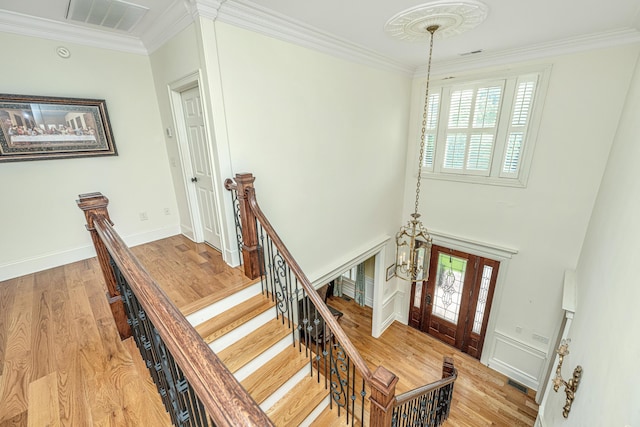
(250, 16)
(175, 19)
(67, 32)
(205, 8)
(571, 45)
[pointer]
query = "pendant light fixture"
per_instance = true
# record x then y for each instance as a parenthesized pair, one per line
(441, 19)
(413, 241)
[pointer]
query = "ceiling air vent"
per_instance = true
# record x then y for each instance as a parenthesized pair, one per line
(112, 14)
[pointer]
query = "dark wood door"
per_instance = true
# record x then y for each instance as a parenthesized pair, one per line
(453, 305)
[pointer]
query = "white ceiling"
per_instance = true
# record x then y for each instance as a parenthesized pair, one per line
(511, 25)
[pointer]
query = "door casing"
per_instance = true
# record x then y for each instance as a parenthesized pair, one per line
(175, 96)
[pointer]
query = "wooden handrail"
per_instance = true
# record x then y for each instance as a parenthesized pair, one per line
(425, 389)
(321, 307)
(226, 402)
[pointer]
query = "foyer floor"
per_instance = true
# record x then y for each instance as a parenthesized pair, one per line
(61, 359)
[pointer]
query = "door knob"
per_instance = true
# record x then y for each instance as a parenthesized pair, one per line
(428, 299)
(194, 179)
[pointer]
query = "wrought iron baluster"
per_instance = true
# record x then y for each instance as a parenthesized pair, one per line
(270, 268)
(236, 218)
(295, 312)
(179, 398)
(363, 393)
(289, 297)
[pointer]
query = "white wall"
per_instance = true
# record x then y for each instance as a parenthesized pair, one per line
(604, 330)
(325, 138)
(546, 221)
(174, 60)
(41, 225)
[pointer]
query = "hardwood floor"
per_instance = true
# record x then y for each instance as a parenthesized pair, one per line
(61, 362)
(192, 274)
(481, 396)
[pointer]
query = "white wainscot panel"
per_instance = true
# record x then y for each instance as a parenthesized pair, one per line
(388, 313)
(520, 362)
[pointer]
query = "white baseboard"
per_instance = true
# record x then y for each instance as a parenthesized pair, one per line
(151, 236)
(187, 231)
(232, 257)
(56, 259)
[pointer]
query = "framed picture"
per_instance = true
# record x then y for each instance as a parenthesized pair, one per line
(39, 127)
(391, 271)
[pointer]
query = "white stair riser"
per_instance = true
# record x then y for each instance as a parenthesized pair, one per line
(241, 331)
(285, 388)
(316, 412)
(263, 358)
(224, 304)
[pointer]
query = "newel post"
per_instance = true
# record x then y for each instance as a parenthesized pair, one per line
(383, 394)
(447, 367)
(94, 206)
(250, 255)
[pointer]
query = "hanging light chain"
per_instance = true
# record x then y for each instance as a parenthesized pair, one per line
(431, 29)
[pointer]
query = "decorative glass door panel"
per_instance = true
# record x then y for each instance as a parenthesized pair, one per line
(482, 298)
(454, 304)
(448, 292)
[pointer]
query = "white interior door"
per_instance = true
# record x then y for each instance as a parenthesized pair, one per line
(202, 177)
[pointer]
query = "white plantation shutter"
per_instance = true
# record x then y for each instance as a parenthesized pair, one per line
(478, 131)
(431, 128)
(480, 151)
(471, 129)
(454, 151)
(522, 106)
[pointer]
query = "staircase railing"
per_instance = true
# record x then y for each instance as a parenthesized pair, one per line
(332, 356)
(196, 387)
(428, 405)
(315, 328)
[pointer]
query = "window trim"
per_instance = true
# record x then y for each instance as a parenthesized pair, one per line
(495, 175)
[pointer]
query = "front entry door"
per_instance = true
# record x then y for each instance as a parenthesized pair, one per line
(202, 178)
(453, 305)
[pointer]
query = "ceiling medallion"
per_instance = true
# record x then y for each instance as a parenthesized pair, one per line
(452, 17)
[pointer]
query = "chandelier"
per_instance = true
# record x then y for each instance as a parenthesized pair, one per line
(413, 241)
(448, 18)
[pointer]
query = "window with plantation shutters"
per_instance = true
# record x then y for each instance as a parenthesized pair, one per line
(481, 131)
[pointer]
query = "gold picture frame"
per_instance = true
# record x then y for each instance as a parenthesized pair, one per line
(41, 127)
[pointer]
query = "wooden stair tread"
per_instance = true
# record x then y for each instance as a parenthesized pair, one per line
(329, 418)
(234, 317)
(298, 403)
(248, 348)
(273, 374)
(214, 297)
